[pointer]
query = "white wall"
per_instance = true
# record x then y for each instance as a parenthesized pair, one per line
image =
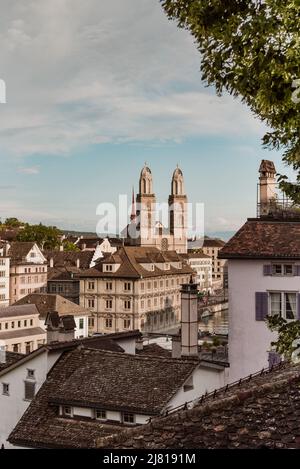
(4, 281)
(127, 344)
(204, 380)
(78, 332)
(13, 406)
(249, 340)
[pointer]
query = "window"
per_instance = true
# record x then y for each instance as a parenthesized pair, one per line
(149, 285)
(142, 286)
(13, 324)
(109, 304)
(25, 323)
(29, 390)
(27, 347)
(142, 304)
(6, 325)
(91, 303)
(91, 285)
(108, 268)
(30, 373)
(19, 323)
(282, 269)
(127, 286)
(31, 322)
(128, 418)
(108, 323)
(67, 411)
(5, 389)
(100, 414)
(16, 348)
(91, 322)
(81, 323)
(127, 304)
(283, 304)
(155, 285)
(2, 273)
(127, 323)
(108, 285)
(288, 269)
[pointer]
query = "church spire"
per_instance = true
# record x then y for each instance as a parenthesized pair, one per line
(133, 208)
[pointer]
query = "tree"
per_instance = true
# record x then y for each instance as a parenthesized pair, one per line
(13, 223)
(251, 49)
(288, 332)
(69, 246)
(46, 237)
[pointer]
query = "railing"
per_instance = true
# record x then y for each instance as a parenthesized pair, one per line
(190, 404)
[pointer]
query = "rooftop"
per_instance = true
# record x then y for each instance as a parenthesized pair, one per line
(18, 310)
(263, 412)
(16, 333)
(264, 239)
(48, 302)
(87, 378)
(10, 359)
(131, 260)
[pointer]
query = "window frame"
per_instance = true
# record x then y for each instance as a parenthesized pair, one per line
(283, 302)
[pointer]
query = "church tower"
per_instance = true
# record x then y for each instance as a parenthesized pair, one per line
(178, 212)
(146, 208)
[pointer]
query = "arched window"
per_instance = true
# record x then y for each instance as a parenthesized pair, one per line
(144, 186)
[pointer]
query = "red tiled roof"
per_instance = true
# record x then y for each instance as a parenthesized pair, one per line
(264, 239)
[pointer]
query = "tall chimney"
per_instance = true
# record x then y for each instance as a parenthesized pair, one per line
(267, 186)
(51, 263)
(189, 319)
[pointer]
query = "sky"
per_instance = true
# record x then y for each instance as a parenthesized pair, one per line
(97, 88)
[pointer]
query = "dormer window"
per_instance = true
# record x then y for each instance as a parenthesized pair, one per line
(67, 411)
(100, 414)
(128, 418)
(108, 268)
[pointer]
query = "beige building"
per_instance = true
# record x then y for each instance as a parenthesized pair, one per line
(211, 247)
(202, 264)
(4, 275)
(19, 329)
(144, 230)
(134, 288)
(28, 270)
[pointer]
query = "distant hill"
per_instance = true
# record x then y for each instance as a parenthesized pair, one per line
(225, 235)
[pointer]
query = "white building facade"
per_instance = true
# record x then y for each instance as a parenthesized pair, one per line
(4, 277)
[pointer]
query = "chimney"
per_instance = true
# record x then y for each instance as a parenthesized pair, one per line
(176, 346)
(51, 263)
(59, 328)
(67, 328)
(189, 319)
(139, 344)
(52, 327)
(78, 263)
(2, 352)
(267, 186)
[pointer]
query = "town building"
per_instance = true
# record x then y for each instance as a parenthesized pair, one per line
(64, 268)
(20, 330)
(211, 247)
(28, 270)
(264, 270)
(4, 275)
(145, 230)
(21, 377)
(134, 288)
(49, 302)
(202, 264)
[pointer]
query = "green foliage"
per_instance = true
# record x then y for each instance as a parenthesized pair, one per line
(68, 246)
(13, 223)
(251, 49)
(287, 333)
(46, 237)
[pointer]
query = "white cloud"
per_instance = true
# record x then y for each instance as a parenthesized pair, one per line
(33, 170)
(93, 72)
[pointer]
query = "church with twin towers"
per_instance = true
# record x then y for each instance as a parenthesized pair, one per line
(145, 229)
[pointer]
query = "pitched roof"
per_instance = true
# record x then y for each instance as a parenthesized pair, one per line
(154, 350)
(18, 250)
(18, 310)
(213, 243)
(263, 239)
(16, 333)
(10, 359)
(48, 302)
(131, 259)
(261, 413)
(69, 258)
(97, 379)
